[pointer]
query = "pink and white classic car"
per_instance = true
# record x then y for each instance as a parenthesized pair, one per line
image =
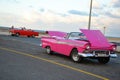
(77, 45)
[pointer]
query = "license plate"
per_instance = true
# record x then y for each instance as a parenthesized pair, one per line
(102, 55)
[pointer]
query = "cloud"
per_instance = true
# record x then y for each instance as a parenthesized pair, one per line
(113, 14)
(82, 13)
(111, 9)
(46, 20)
(50, 20)
(116, 3)
(8, 19)
(96, 5)
(30, 6)
(113, 31)
(41, 9)
(75, 12)
(12, 1)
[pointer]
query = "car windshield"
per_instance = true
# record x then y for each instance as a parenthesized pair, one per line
(77, 36)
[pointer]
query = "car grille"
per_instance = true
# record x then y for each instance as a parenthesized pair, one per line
(101, 52)
(98, 53)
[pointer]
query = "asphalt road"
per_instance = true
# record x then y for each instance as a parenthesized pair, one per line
(22, 58)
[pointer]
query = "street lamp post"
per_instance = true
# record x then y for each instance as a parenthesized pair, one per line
(89, 24)
(104, 30)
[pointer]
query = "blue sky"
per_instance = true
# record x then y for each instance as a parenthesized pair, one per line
(62, 15)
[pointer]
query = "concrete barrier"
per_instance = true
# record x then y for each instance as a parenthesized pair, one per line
(116, 41)
(118, 49)
(4, 33)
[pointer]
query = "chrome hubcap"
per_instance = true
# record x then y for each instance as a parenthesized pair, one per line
(48, 50)
(75, 57)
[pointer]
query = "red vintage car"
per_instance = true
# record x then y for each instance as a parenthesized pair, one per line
(23, 32)
(79, 45)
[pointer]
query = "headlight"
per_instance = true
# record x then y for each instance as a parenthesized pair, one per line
(88, 47)
(114, 48)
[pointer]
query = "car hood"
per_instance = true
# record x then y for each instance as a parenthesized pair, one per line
(96, 38)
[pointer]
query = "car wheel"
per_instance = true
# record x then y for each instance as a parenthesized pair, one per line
(12, 34)
(17, 34)
(33, 36)
(48, 50)
(28, 36)
(75, 57)
(104, 60)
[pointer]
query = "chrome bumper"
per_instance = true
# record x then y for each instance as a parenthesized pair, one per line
(113, 55)
(94, 55)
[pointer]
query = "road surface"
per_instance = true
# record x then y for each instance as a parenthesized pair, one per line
(22, 58)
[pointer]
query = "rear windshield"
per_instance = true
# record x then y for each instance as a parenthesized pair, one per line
(77, 36)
